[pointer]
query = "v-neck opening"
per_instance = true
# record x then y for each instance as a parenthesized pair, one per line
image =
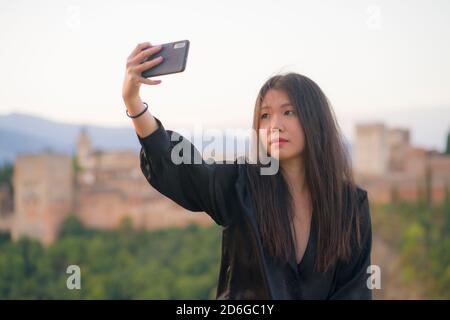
(308, 244)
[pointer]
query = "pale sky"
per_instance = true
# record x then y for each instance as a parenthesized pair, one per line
(65, 60)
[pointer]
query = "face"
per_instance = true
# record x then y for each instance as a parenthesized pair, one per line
(283, 137)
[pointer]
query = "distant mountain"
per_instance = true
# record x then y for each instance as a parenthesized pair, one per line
(22, 133)
(12, 143)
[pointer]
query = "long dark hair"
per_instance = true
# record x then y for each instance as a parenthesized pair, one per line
(328, 176)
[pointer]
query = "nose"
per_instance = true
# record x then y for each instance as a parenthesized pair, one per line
(276, 124)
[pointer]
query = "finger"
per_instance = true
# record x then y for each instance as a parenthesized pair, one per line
(139, 48)
(144, 54)
(139, 58)
(149, 81)
(149, 64)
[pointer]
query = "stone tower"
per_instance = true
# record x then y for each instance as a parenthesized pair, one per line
(399, 143)
(85, 158)
(43, 195)
(84, 148)
(371, 149)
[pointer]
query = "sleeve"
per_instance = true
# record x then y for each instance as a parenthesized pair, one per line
(196, 186)
(352, 275)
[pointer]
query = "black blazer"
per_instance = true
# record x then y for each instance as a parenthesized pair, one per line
(246, 271)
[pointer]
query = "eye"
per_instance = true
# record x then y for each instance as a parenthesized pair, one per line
(264, 115)
(287, 112)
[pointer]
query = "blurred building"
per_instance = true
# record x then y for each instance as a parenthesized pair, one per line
(390, 168)
(43, 195)
(101, 188)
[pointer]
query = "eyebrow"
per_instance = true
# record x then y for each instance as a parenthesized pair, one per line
(286, 104)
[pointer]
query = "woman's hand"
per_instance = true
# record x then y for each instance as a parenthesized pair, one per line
(134, 68)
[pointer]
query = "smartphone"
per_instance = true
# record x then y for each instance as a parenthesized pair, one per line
(175, 56)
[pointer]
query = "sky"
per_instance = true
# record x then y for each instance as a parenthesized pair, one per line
(375, 60)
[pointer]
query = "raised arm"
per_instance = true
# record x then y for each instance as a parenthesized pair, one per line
(146, 123)
(208, 187)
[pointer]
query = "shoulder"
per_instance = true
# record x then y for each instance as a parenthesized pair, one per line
(356, 202)
(361, 230)
(361, 195)
(363, 207)
(356, 195)
(363, 219)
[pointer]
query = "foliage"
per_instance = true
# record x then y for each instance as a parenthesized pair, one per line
(447, 147)
(174, 263)
(6, 176)
(420, 234)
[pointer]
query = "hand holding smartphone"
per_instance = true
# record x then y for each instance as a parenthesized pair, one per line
(174, 59)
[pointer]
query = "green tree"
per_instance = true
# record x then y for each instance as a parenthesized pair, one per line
(115, 264)
(72, 226)
(447, 148)
(75, 165)
(6, 176)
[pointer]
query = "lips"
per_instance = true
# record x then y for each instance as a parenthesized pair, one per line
(279, 140)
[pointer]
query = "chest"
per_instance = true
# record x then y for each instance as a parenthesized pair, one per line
(301, 227)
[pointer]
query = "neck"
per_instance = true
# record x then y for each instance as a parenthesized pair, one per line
(294, 172)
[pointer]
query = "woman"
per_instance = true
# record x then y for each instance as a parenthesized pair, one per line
(301, 233)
